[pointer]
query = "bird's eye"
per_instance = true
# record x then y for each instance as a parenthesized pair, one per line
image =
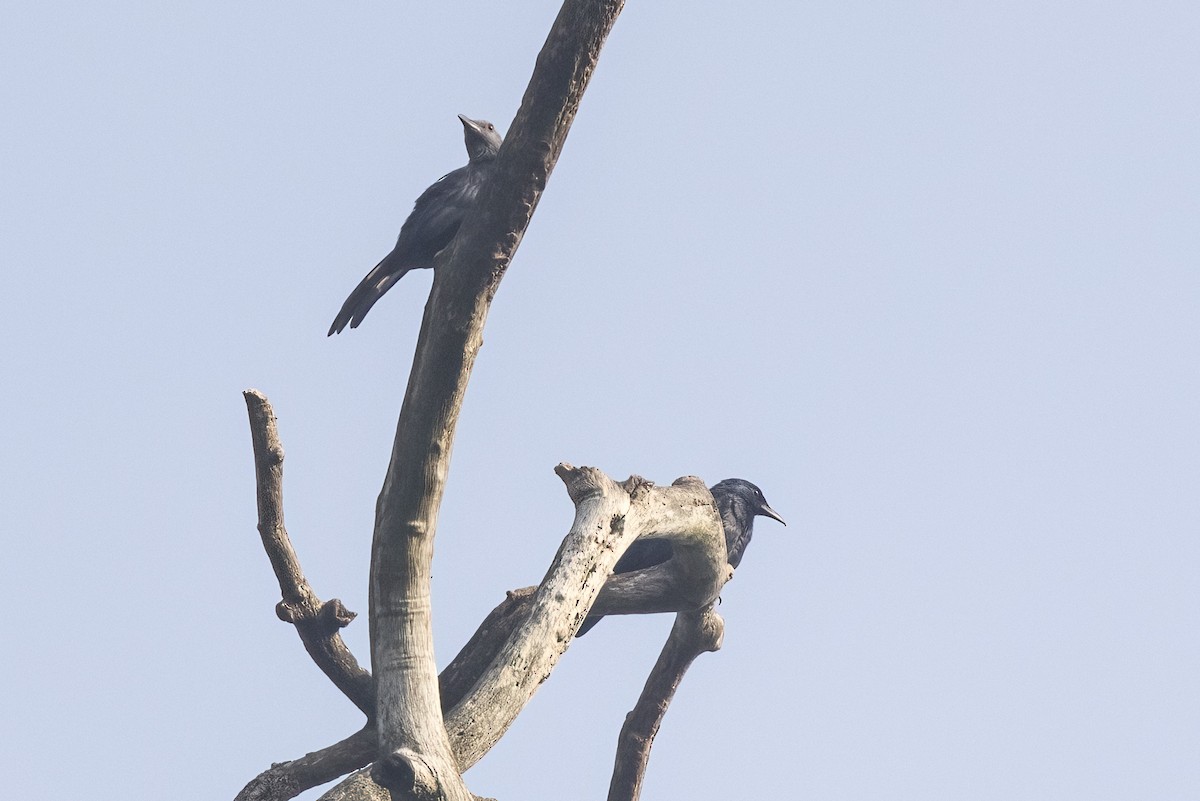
(491, 127)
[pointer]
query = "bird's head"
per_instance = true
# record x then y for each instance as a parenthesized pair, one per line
(743, 499)
(482, 138)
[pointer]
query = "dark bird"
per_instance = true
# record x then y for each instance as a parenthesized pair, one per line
(738, 502)
(435, 219)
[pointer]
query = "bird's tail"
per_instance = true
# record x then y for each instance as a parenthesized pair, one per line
(369, 290)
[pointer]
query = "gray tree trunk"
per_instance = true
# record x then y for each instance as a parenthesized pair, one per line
(422, 730)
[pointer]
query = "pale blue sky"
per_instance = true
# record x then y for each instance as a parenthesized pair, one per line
(928, 273)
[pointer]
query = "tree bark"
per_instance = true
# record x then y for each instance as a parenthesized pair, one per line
(609, 516)
(519, 643)
(693, 634)
(419, 754)
(317, 624)
(492, 677)
(416, 757)
(285, 780)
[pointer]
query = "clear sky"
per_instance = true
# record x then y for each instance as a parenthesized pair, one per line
(927, 272)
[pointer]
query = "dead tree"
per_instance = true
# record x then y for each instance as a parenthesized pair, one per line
(422, 730)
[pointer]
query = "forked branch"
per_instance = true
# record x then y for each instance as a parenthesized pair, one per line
(318, 624)
(518, 644)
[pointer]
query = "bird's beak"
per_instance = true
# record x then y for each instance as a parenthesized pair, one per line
(469, 123)
(767, 511)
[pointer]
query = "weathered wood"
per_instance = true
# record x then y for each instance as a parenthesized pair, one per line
(693, 634)
(317, 623)
(357, 787)
(609, 517)
(361, 787)
(458, 677)
(416, 758)
(519, 643)
(690, 580)
(285, 780)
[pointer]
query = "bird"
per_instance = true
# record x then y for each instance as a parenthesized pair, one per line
(435, 219)
(738, 502)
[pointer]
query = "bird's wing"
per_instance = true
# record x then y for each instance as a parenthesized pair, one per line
(436, 217)
(736, 540)
(642, 554)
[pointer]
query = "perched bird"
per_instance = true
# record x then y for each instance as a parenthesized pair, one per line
(434, 221)
(738, 502)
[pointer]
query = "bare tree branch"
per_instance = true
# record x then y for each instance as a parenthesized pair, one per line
(358, 786)
(514, 649)
(416, 757)
(317, 624)
(693, 634)
(608, 517)
(285, 780)
(690, 580)
(419, 754)
(458, 677)
(361, 787)
(518, 644)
